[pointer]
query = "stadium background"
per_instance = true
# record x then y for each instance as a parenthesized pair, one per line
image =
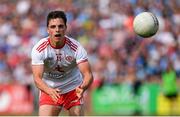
(127, 69)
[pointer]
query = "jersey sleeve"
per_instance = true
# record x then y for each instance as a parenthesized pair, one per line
(81, 55)
(36, 57)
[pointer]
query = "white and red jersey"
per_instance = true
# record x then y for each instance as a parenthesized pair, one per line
(60, 64)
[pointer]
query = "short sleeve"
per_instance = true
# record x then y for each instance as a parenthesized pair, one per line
(81, 55)
(36, 57)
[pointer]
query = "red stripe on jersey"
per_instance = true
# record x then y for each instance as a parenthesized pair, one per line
(82, 61)
(72, 47)
(42, 46)
(71, 44)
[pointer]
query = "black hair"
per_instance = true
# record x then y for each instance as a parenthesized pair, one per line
(56, 14)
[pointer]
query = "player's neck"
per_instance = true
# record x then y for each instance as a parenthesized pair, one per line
(57, 44)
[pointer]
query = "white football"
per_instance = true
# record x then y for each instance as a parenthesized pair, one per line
(145, 24)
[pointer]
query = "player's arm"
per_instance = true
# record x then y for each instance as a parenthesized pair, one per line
(85, 69)
(37, 75)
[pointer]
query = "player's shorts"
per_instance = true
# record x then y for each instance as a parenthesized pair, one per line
(66, 100)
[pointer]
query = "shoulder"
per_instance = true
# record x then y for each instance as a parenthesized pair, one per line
(72, 43)
(72, 40)
(41, 45)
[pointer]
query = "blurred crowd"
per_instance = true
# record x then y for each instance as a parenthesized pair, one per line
(103, 27)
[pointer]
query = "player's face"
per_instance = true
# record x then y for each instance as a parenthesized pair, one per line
(56, 29)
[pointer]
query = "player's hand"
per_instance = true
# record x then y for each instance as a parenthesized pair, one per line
(54, 93)
(79, 92)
